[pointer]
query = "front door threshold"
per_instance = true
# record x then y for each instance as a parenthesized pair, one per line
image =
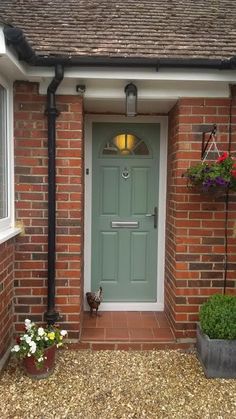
(127, 330)
(131, 306)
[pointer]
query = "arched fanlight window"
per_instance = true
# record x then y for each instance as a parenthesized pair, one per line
(125, 145)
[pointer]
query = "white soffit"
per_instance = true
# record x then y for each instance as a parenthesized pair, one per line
(145, 107)
(147, 89)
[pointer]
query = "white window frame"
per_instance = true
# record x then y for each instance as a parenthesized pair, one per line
(7, 224)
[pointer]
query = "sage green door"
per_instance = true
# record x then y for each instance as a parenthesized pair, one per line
(124, 199)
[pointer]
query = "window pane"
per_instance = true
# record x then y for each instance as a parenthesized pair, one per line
(3, 156)
(126, 145)
(141, 149)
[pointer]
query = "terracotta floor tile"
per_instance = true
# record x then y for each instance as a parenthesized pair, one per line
(160, 314)
(163, 334)
(119, 319)
(134, 320)
(119, 315)
(149, 320)
(141, 334)
(104, 320)
(116, 334)
(162, 320)
(93, 334)
(133, 314)
(127, 327)
(89, 321)
(148, 315)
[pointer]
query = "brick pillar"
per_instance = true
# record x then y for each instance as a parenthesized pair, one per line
(31, 207)
(195, 222)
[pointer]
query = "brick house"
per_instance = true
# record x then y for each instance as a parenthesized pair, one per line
(119, 212)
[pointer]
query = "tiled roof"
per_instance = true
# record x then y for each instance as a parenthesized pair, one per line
(126, 28)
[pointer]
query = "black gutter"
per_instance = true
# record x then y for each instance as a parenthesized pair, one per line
(51, 316)
(133, 62)
(16, 38)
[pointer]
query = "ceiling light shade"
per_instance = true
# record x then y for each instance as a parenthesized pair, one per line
(131, 99)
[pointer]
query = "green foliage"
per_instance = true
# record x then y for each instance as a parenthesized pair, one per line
(209, 176)
(35, 340)
(218, 317)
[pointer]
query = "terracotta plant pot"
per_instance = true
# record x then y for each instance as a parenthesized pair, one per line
(30, 366)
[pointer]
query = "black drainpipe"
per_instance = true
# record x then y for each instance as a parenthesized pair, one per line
(51, 316)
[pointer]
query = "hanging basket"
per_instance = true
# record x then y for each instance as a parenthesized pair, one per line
(214, 192)
(33, 371)
(215, 179)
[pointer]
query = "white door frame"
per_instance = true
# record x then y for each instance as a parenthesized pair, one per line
(126, 306)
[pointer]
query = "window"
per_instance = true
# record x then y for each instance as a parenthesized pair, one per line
(126, 145)
(7, 219)
(4, 208)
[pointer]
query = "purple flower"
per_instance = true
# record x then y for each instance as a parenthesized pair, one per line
(220, 181)
(208, 183)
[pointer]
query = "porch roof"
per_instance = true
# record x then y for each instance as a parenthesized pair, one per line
(178, 29)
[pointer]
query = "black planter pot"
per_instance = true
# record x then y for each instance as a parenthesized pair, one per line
(217, 356)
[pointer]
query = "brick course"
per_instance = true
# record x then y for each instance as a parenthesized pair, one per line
(6, 295)
(195, 233)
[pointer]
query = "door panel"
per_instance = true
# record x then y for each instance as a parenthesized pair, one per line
(109, 190)
(125, 189)
(108, 256)
(140, 176)
(139, 255)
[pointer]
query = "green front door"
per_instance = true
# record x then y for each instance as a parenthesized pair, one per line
(124, 199)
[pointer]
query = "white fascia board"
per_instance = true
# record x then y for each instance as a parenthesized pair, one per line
(2, 43)
(11, 70)
(133, 74)
(176, 74)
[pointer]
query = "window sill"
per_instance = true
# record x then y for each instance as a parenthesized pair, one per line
(9, 233)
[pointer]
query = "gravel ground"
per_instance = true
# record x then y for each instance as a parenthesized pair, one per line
(118, 385)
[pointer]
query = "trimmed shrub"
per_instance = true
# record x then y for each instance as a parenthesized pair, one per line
(218, 317)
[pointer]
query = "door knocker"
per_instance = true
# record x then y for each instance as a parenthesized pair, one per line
(125, 173)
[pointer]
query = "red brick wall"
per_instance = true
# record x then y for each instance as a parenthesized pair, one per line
(31, 207)
(6, 295)
(195, 223)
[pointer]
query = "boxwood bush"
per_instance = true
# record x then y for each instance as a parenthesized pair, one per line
(218, 317)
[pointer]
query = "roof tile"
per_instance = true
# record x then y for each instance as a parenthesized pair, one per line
(126, 28)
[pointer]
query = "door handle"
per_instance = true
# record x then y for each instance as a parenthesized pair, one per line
(153, 215)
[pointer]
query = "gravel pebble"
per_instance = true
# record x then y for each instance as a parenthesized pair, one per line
(118, 385)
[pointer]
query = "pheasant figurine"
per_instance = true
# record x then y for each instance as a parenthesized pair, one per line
(94, 299)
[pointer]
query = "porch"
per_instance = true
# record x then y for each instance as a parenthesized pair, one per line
(126, 330)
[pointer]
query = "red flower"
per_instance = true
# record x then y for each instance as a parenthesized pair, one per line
(233, 173)
(222, 157)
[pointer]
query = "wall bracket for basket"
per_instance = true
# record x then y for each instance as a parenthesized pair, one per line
(209, 144)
